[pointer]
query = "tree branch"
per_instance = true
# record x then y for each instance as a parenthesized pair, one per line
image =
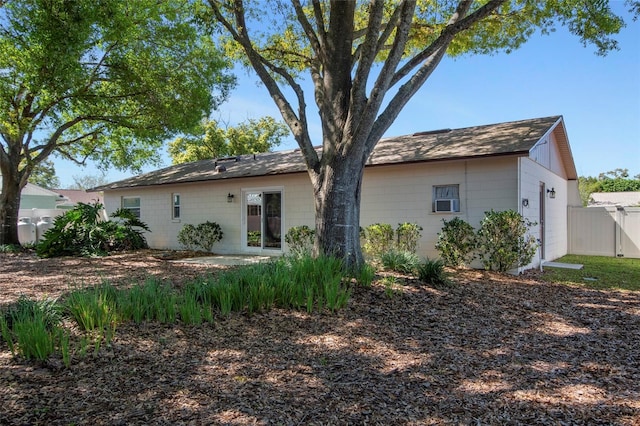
(298, 125)
(383, 81)
(457, 23)
(316, 43)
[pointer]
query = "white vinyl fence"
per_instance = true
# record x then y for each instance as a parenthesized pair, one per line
(604, 231)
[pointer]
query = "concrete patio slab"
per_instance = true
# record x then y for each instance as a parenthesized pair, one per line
(226, 260)
(562, 265)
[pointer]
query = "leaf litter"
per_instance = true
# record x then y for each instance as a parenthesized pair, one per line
(486, 349)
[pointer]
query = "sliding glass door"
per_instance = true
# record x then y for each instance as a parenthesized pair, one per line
(262, 221)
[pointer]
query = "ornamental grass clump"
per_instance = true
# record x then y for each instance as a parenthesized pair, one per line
(432, 272)
(401, 261)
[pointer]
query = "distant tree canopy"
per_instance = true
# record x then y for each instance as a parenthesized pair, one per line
(88, 181)
(612, 181)
(214, 141)
(44, 175)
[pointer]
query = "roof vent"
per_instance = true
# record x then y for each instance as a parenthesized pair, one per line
(432, 132)
(220, 168)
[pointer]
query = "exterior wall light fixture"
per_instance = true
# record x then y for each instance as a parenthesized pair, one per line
(230, 198)
(551, 192)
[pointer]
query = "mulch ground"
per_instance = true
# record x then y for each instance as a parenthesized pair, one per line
(487, 349)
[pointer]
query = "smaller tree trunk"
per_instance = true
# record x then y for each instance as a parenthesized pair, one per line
(9, 210)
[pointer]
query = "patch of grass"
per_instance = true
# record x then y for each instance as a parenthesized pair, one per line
(599, 272)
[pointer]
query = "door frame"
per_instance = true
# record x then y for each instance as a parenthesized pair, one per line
(244, 222)
(542, 217)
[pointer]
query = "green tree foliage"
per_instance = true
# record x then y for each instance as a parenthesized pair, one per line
(88, 181)
(106, 81)
(214, 141)
(612, 181)
(366, 60)
(44, 175)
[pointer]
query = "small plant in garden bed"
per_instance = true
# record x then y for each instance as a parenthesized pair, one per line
(401, 261)
(432, 272)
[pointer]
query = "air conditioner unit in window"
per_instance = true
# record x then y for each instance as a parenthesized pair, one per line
(447, 205)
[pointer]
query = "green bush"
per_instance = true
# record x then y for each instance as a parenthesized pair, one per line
(202, 236)
(408, 235)
(300, 240)
(432, 272)
(82, 232)
(378, 239)
(502, 241)
(400, 261)
(456, 242)
(188, 237)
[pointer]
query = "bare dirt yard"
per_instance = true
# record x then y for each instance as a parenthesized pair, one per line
(487, 349)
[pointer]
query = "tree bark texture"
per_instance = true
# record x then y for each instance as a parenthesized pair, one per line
(337, 205)
(9, 210)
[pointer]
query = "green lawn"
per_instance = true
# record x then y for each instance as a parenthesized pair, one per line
(599, 272)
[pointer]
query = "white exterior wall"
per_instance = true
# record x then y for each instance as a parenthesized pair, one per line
(390, 194)
(403, 193)
(208, 201)
(532, 175)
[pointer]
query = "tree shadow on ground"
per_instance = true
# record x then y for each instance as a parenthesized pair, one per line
(491, 351)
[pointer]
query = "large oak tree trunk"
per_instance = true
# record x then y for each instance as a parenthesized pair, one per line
(9, 210)
(337, 204)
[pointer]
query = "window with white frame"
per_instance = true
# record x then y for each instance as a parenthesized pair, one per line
(175, 206)
(446, 198)
(132, 204)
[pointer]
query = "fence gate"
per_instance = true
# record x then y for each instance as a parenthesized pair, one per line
(604, 231)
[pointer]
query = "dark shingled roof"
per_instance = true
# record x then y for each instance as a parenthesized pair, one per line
(512, 138)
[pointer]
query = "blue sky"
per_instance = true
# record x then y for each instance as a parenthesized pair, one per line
(599, 98)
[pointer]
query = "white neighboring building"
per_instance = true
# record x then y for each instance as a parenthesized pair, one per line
(622, 199)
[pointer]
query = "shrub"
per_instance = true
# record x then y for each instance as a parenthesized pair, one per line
(209, 233)
(432, 272)
(203, 236)
(408, 235)
(456, 242)
(502, 240)
(188, 237)
(300, 240)
(378, 239)
(82, 232)
(400, 261)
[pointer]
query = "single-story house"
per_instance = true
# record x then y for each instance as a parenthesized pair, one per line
(622, 199)
(421, 178)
